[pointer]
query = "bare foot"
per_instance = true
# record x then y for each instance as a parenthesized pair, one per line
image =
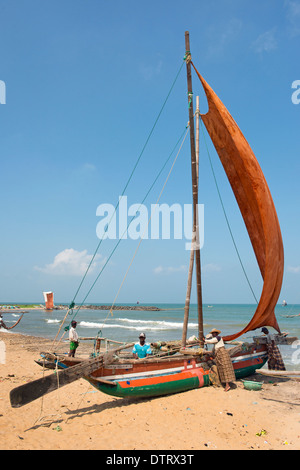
(227, 388)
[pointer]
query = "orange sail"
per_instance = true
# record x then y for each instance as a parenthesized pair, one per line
(255, 202)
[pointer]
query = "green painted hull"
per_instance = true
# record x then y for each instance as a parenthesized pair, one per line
(154, 390)
(151, 383)
(250, 370)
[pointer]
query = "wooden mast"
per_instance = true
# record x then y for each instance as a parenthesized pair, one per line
(195, 242)
(197, 140)
(192, 256)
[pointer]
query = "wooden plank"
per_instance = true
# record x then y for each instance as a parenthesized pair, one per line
(279, 339)
(103, 381)
(278, 373)
(119, 366)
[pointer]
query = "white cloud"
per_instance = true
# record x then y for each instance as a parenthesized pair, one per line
(211, 268)
(70, 262)
(149, 71)
(221, 36)
(293, 17)
(88, 167)
(169, 269)
(207, 268)
(84, 172)
(293, 269)
(266, 42)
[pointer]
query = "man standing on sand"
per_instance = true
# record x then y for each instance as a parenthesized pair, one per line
(275, 361)
(73, 337)
(141, 349)
(221, 357)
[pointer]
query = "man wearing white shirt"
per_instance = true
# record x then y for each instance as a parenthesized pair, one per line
(221, 358)
(73, 337)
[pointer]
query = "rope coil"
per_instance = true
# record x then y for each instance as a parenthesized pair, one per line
(187, 57)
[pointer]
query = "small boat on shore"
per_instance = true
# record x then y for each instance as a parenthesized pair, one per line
(175, 369)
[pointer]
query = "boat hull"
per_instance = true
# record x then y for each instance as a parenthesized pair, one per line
(151, 385)
(165, 382)
(142, 378)
(246, 364)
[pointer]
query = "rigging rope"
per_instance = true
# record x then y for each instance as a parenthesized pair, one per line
(128, 226)
(182, 136)
(129, 179)
(146, 229)
(224, 211)
(72, 304)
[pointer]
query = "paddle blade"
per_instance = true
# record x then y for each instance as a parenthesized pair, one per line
(29, 392)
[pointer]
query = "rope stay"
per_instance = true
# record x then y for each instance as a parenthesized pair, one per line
(125, 231)
(152, 213)
(70, 311)
(72, 304)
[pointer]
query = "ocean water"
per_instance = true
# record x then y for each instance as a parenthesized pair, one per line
(163, 325)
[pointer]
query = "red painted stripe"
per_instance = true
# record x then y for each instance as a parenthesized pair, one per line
(199, 372)
(186, 374)
(248, 363)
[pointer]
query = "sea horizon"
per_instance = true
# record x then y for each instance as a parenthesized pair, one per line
(161, 325)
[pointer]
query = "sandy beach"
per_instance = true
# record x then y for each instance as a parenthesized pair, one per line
(78, 417)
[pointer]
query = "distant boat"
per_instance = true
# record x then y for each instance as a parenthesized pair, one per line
(49, 300)
(291, 316)
(284, 303)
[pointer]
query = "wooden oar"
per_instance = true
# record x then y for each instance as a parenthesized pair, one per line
(29, 392)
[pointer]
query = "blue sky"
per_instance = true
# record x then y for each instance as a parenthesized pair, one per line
(85, 80)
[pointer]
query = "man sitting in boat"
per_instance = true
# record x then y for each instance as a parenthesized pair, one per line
(222, 358)
(275, 361)
(141, 349)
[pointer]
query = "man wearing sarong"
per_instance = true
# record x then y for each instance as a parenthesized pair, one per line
(275, 361)
(222, 358)
(73, 338)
